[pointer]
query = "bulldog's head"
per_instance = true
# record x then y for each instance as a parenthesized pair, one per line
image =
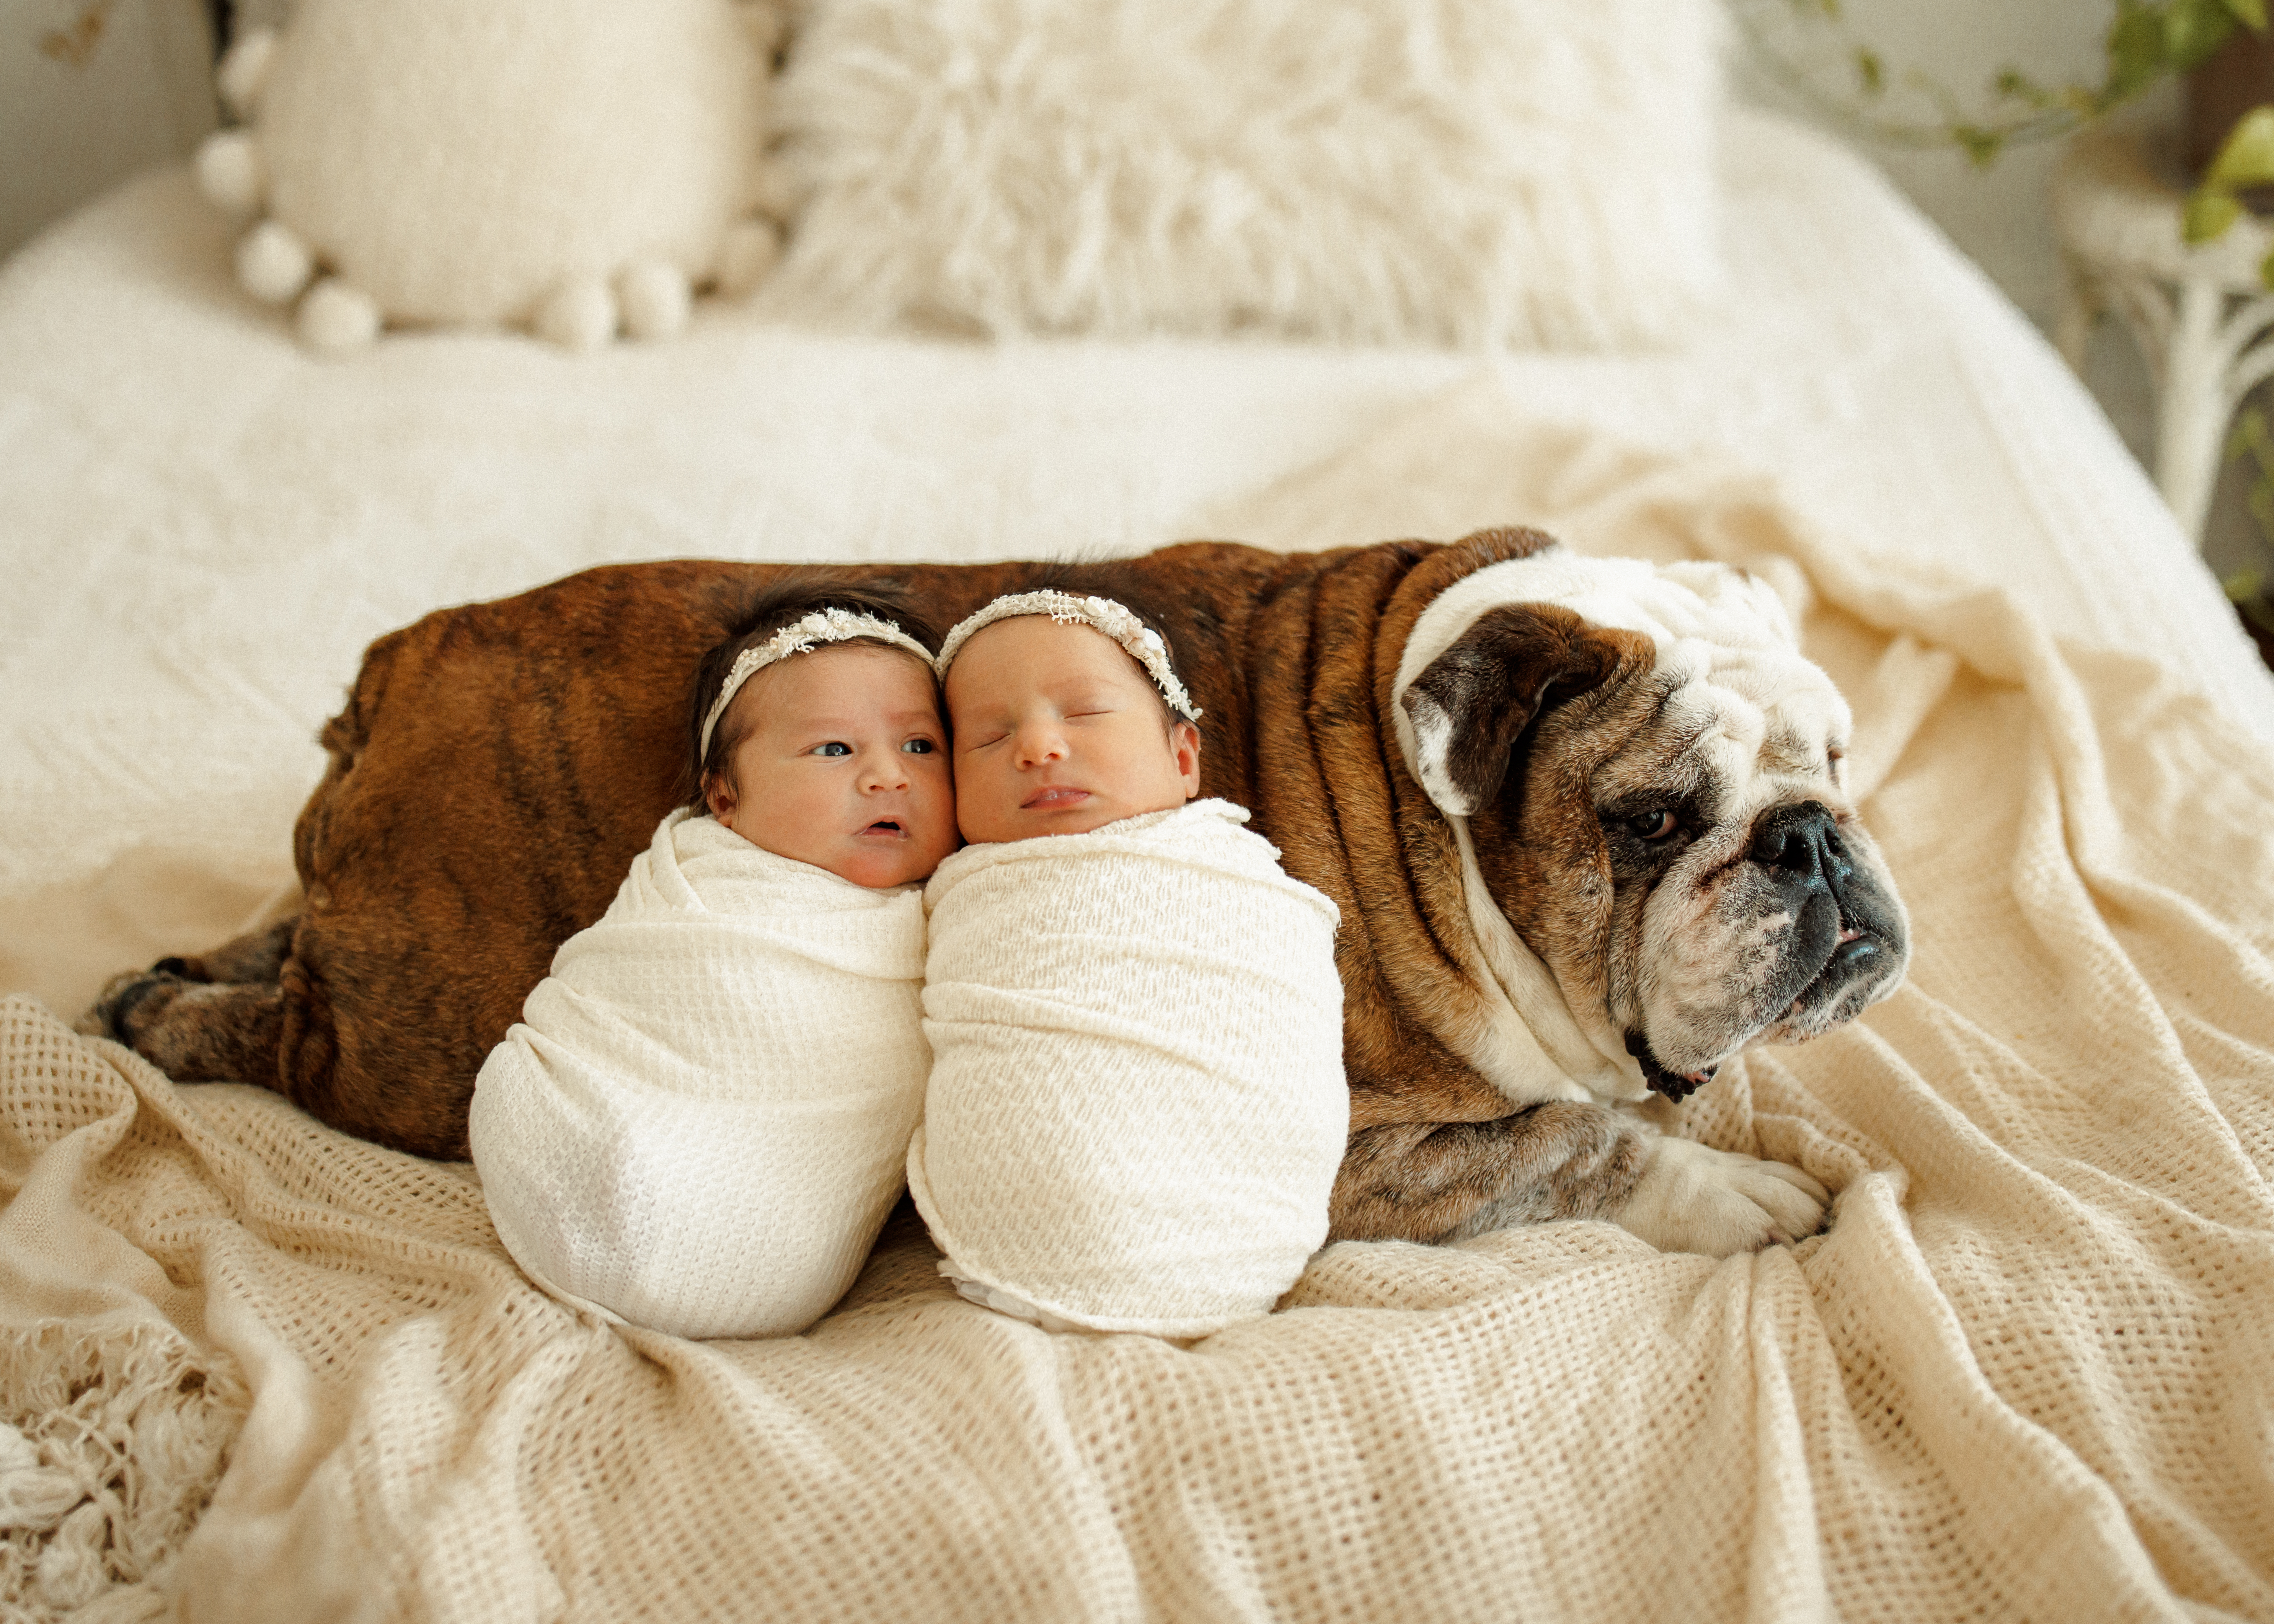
(1646, 782)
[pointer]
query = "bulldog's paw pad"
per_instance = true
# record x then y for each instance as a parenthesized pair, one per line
(1693, 1198)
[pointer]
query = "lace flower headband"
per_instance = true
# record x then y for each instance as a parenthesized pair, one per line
(802, 636)
(1116, 620)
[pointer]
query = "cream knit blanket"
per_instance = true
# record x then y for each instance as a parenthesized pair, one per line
(1137, 1104)
(2024, 1375)
(700, 1121)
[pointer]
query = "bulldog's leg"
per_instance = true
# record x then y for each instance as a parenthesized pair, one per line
(257, 957)
(194, 1032)
(1445, 1181)
(1435, 1182)
(217, 1017)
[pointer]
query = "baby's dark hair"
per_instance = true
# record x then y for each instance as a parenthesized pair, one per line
(774, 608)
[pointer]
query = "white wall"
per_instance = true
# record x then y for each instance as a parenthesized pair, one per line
(2000, 215)
(90, 91)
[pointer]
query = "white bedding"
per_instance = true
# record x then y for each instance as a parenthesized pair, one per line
(201, 525)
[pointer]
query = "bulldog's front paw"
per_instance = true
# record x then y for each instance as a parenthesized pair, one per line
(1693, 1198)
(130, 1003)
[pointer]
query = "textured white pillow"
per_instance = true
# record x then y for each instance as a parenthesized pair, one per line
(578, 165)
(1471, 172)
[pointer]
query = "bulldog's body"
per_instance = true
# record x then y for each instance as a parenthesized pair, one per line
(1583, 819)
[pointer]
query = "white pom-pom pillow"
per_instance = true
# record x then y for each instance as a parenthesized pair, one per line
(576, 166)
(1482, 173)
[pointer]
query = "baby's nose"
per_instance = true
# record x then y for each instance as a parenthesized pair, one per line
(1039, 744)
(886, 772)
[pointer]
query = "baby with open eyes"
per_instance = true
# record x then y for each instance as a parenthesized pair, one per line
(701, 1122)
(1136, 1106)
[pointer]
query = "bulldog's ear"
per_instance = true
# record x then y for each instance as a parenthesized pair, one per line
(1471, 705)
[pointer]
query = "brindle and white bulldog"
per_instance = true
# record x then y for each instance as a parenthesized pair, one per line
(1584, 820)
(1642, 779)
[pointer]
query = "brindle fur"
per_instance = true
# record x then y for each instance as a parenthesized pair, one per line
(259, 957)
(497, 766)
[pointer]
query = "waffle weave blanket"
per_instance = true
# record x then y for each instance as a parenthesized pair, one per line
(699, 1123)
(1137, 1105)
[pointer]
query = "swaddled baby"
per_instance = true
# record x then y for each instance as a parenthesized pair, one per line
(1137, 1105)
(701, 1121)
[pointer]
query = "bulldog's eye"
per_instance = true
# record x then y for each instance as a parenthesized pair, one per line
(1654, 825)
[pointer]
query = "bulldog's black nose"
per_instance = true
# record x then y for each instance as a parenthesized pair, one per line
(1800, 845)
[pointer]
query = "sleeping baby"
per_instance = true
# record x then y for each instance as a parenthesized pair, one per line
(700, 1122)
(1137, 1106)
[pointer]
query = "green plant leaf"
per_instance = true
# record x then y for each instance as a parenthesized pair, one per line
(2249, 437)
(2244, 585)
(2193, 29)
(2254, 607)
(2246, 158)
(2250, 12)
(1871, 72)
(2266, 271)
(2012, 85)
(2209, 213)
(2134, 51)
(1980, 145)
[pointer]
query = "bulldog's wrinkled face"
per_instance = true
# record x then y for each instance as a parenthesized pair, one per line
(1652, 785)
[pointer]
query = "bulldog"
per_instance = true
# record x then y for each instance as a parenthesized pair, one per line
(1586, 821)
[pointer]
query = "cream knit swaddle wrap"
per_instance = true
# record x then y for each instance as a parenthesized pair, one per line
(1137, 1106)
(701, 1122)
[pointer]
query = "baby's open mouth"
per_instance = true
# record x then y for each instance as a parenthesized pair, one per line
(886, 827)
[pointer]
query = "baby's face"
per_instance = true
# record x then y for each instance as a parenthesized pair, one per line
(845, 767)
(1058, 731)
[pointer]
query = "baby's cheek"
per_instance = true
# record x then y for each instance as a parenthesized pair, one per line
(943, 786)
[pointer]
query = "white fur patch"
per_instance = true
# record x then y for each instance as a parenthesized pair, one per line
(1432, 728)
(1693, 1198)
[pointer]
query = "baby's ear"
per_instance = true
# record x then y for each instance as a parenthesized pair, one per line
(1185, 746)
(718, 795)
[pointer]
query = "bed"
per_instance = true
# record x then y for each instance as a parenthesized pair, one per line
(254, 1369)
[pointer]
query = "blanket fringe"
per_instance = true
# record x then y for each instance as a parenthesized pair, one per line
(111, 1443)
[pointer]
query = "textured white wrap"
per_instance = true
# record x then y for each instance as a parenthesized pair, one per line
(699, 1123)
(1137, 1105)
